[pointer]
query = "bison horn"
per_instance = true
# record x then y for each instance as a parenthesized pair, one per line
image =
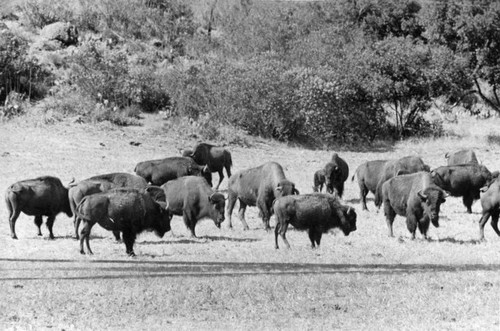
(421, 195)
(349, 210)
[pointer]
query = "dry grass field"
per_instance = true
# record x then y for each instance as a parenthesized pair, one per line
(235, 279)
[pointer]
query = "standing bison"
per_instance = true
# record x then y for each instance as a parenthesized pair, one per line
(464, 156)
(98, 184)
(369, 174)
(464, 180)
(490, 201)
(319, 180)
(126, 210)
(416, 197)
(258, 186)
(158, 172)
(336, 173)
(216, 158)
(193, 199)
(393, 168)
(42, 196)
(317, 213)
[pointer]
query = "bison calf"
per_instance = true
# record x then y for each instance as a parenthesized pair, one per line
(42, 196)
(319, 180)
(416, 197)
(193, 199)
(126, 210)
(315, 212)
(216, 158)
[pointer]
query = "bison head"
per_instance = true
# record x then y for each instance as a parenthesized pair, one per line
(218, 204)
(284, 188)
(162, 224)
(347, 219)
(432, 198)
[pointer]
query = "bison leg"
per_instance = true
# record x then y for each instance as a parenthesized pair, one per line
(87, 226)
(265, 213)
(390, 215)
(494, 221)
(38, 223)
(13, 215)
(117, 235)
(484, 219)
(221, 177)
(189, 220)
(411, 225)
(313, 237)
(282, 232)
(231, 201)
(468, 199)
(50, 224)
(129, 239)
(76, 224)
(363, 192)
(276, 232)
(241, 215)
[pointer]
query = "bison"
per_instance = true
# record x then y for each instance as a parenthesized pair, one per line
(259, 187)
(319, 180)
(158, 172)
(102, 183)
(463, 180)
(42, 196)
(336, 173)
(126, 210)
(416, 197)
(404, 165)
(216, 158)
(193, 199)
(368, 175)
(464, 156)
(490, 202)
(315, 212)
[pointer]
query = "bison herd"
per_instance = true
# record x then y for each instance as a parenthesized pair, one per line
(128, 204)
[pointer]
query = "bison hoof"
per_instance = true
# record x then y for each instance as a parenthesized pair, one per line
(131, 254)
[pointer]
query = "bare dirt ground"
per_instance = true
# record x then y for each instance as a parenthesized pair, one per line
(235, 279)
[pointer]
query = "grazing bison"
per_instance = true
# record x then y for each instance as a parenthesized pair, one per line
(368, 175)
(42, 196)
(319, 180)
(259, 187)
(463, 180)
(102, 183)
(464, 156)
(404, 165)
(336, 173)
(193, 199)
(216, 158)
(490, 201)
(126, 210)
(416, 197)
(158, 172)
(315, 212)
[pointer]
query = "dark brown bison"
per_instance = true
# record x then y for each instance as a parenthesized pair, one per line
(336, 173)
(98, 184)
(193, 199)
(259, 187)
(404, 165)
(216, 158)
(463, 180)
(42, 196)
(490, 201)
(368, 175)
(317, 213)
(416, 197)
(125, 210)
(319, 180)
(464, 156)
(158, 172)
